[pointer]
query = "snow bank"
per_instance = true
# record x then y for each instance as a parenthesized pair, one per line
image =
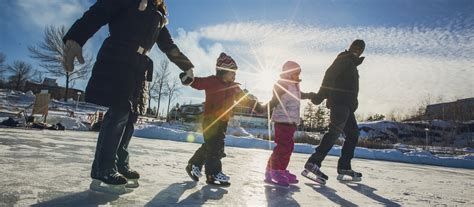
(413, 156)
(70, 123)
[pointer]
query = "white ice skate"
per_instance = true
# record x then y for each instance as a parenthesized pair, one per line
(219, 179)
(349, 176)
(194, 172)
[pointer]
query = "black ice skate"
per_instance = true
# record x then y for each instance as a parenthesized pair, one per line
(313, 173)
(113, 183)
(349, 176)
(219, 179)
(132, 177)
(194, 172)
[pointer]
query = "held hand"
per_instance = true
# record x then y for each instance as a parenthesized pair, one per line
(71, 51)
(317, 99)
(187, 77)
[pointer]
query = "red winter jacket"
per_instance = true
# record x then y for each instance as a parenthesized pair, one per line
(220, 96)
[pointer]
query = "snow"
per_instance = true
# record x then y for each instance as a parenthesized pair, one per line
(51, 168)
(416, 157)
(12, 102)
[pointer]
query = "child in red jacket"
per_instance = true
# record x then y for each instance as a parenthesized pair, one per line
(222, 94)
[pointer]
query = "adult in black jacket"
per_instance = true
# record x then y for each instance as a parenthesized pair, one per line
(121, 73)
(340, 87)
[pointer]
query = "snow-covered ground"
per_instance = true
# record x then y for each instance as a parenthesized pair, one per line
(51, 168)
(412, 156)
(11, 102)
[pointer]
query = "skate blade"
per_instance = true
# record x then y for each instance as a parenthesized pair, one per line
(132, 183)
(102, 187)
(315, 178)
(347, 179)
(220, 184)
(271, 182)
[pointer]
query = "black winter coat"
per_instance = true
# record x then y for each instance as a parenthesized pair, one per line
(341, 82)
(120, 73)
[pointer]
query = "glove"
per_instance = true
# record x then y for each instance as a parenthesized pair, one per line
(71, 51)
(317, 99)
(187, 77)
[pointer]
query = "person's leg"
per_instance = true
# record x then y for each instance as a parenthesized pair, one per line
(110, 135)
(284, 146)
(214, 138)
(199, 156)
(122, 152)
(351, 130)
(338, 118)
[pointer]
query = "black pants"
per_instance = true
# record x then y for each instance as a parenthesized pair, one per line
(342, 120)
(212, 151)
(112, 145)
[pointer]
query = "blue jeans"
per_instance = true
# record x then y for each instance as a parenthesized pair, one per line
(111, 152)
(342, 120)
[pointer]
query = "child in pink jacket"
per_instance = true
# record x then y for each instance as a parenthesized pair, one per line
(286, 117)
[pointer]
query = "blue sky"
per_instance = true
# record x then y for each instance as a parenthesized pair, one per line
(415, 49)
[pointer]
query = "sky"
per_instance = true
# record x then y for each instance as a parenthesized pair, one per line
(415, 50)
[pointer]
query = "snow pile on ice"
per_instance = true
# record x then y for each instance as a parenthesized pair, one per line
(416, 157)
(70, 123)
(238, 131)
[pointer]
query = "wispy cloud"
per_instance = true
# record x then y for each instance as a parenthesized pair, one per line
(403, 65)
(40, 13)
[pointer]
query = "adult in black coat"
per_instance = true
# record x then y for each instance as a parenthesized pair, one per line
(340, 87)
(121, 73)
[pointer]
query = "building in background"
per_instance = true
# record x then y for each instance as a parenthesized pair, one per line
(57, 92)
(460, 110)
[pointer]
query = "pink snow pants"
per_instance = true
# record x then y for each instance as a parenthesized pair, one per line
(284, 146)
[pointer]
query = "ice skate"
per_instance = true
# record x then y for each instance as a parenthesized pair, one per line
(194, 172)
(132, 177)
(113, 183)
(349, 176)
(276, 177)
(219, 179)
(313, 173)
(292, 179)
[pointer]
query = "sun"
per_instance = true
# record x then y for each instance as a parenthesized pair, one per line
(266, 79)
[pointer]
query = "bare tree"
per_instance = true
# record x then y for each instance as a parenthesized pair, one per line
(2, 60)
(38, 76)
(22, 71)
(151, 90)
(50, 54)
(159, 84)
(2, 68)
(172, 89)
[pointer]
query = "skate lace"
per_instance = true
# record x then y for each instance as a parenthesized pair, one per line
(115, 175)
(221, 175)
(312, 167)
(196, 171)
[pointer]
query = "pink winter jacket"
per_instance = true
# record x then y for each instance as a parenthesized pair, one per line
(286, 102)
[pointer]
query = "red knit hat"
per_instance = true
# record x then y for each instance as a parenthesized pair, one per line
(289, 68)
(225, 62)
